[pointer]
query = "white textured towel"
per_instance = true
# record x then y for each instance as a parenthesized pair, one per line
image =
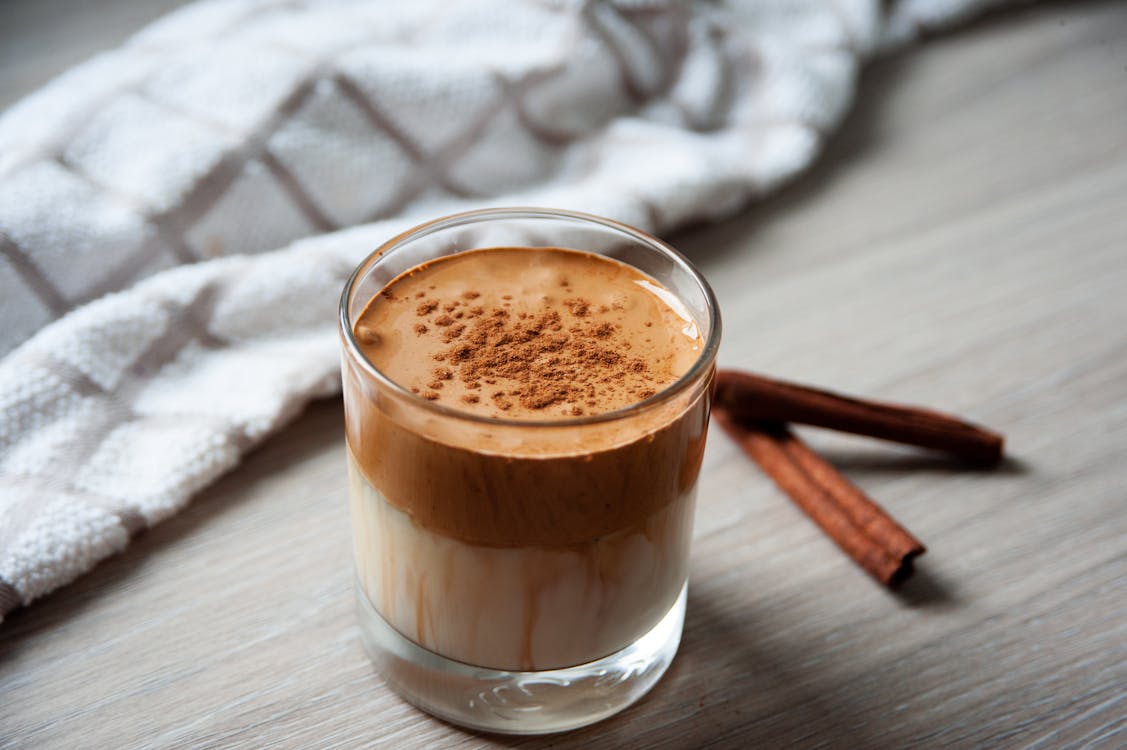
(291, 138)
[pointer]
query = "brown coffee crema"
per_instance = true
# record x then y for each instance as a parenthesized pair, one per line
(527, 336)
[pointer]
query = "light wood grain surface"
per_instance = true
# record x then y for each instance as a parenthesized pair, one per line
(963, 244)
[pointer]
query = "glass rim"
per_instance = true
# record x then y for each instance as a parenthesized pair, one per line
(692, 375)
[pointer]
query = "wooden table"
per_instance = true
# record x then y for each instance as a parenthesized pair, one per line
(962, 244)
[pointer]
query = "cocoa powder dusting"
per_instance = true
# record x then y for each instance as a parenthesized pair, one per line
(453, 332)
(539, 361)
(579, 308)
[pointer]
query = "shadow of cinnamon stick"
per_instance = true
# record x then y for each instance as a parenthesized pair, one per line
(882, 462)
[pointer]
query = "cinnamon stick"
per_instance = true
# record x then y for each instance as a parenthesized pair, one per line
(756, 397)
(873, 520)
(860, 527)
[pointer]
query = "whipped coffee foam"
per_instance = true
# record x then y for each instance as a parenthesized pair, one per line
(531, 334)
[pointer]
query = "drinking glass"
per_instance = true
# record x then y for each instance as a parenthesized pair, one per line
(523, 576)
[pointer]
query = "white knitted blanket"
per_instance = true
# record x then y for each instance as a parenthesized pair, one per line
(241, 156)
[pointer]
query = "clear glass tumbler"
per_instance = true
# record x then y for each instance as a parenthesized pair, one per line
(529, 632)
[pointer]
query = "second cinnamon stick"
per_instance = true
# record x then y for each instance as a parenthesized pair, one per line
(861, 528)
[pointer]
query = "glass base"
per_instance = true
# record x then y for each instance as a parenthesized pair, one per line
(520, 702)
